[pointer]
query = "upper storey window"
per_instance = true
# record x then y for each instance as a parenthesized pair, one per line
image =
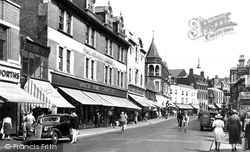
(3, 49)
(65, 21)
(90, 37)
(109, 48)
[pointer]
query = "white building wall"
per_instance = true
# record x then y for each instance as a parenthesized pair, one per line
(182, 94)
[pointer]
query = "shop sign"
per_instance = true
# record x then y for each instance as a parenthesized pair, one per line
(86, 86)
(242, 71)
(9, 74)
(135, 90)
(245, 95)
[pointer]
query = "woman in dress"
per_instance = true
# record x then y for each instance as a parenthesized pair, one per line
(234, 130)
(185, 122)
(123, 120)
(7, 126)
(218, 132)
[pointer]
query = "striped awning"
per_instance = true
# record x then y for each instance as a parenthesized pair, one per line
(45, 92)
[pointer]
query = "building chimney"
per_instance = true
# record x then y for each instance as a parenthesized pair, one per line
(202, 74)
(191, 71)
(241, 61)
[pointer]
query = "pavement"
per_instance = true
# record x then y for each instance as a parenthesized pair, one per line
(225, 146)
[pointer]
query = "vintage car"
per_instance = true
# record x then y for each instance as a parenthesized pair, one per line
(207, 119)
(54, 127)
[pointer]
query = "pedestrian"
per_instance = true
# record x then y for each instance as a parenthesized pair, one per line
(247, 135)
(110, 117)
(97, 119)
(24, 126)
(123, 120)
(179, 119)
(145, 117)
(74, 125)
(246, 118)
(38, 129)
(234, 130)
(185, 122)
(225, 122)
(136, 114)
(7, 126)
(218, 132)
(30, 119)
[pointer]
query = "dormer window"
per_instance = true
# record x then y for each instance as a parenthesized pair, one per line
(90, 5)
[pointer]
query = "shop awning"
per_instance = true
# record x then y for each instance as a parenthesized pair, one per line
(112, 100)
(80, 96)
(184, 106)
(44, 91)
(127, 103)
(97, 98)
(211, 106)
(140, 100)
(195, 106)
(218, 105)
(156, 104)
(13, 93)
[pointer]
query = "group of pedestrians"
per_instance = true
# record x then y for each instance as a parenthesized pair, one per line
(183, 120)
(234, 126)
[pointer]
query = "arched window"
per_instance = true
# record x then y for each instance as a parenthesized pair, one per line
(157, 70)
(151, 70)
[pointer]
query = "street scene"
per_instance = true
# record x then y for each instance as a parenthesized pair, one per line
(124, 76)
(158, 135)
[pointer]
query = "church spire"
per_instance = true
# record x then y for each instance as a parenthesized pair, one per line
(153, 36)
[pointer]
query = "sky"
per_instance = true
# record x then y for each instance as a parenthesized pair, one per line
(168, 22)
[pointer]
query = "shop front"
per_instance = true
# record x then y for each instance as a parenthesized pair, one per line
(90, 98)
(11, 95)
(244, 100)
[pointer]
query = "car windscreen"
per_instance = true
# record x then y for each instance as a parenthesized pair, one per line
(50, 119)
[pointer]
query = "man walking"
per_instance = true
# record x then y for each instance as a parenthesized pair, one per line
(179, 119)
(74, 125)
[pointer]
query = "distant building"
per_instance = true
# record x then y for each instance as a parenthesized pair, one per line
(200, 83)
(215, 98)
(158, 75)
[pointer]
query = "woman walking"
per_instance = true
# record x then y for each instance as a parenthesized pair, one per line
(74, 125)
(218, 132)
(7, 126)
(123, 120)
(234, 130)
(185, 122)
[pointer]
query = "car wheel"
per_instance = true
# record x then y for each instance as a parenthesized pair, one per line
(201, 128)
(54, 138)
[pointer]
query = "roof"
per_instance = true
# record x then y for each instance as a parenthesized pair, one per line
(152, 52)
(185, 86)
(178, 72)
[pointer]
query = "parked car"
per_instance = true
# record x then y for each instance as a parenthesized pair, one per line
(54, 127)
(207, 119)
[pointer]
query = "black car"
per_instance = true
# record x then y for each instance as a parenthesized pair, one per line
(53, 127)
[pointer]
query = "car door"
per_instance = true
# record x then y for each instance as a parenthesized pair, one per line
(64, 125)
